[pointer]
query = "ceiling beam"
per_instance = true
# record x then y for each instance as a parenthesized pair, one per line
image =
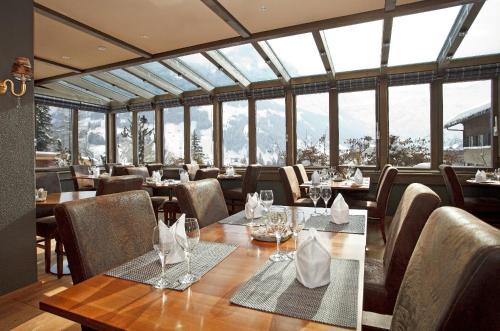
(223, 13)
(56, 16)
(57, 64)
(390, 5)
(123, 84)
(463, 22)
(153, 79)
(330, 23)
(219, 60)
(82, 83)
(70, 93)
(324, 52)
(189, 74)
(267, 53)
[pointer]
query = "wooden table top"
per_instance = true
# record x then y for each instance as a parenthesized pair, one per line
(345, 185)
(489, 183)
(93, 177)
(108, 303)
(164, 184)
(227, 177)
(54, 199)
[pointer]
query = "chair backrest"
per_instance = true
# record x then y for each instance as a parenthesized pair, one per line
(451, 282)
(417, 203)
(120, 170)
(138, 171)
(104, 232)
(381, 176)
(206, 173)
(453, 187)
(110, 185)
(202, 199)
(78, 183)
(300, 172)
(49, 181)
(154, 167)
(171, 173)
(251, 178)
(385, 190)
(110, 166)
(290, 185)
(191, 168)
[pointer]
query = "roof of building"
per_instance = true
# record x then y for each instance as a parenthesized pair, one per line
(468, 115)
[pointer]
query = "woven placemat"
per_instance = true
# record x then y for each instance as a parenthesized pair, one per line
(275, 289)
(237, 219)
(356, 224)
(147, 268)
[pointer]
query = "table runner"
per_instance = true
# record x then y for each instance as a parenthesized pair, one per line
(275, 289)
(147, 268)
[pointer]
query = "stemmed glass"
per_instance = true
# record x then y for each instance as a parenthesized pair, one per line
(189, 243)
(315, 194)
(326, 194)
(162, 248)
(252, 203)
(296, 225)
(266, 198)
(277, 224)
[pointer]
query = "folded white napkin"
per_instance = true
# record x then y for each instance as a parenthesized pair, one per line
(253, 202)
(339, 210)
(184, 177)
(358, 177)
(193, 169)
(315, 178)
(312, 262)
(156, 176)
(480, 176)
(230, 171)
(168, 235)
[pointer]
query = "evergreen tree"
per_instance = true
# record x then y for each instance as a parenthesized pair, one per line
(143, 135)
(43, 128)
(196, 148)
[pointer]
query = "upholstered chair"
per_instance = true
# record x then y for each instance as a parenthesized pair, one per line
(191, 168)
(292, 188)
(120, 170)
(154, 167)
(300, 172)
(237, 196)
(383, 277)
(171, 173)
(106, 231)
(79, 183)
(109, 167)
(110, 185)
(377, 209)
(206, 173)
(138, 171)
(202, 199)
(158, 201)
(451, 282)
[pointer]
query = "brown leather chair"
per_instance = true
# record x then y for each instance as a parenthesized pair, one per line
(377, 209)
(206, 173)
(191, 168)
(300, 172)
(81, 184)
(171, 173)
(292, 189)
(46, 226)
(451, 282)
(202, 199)
(104, 232)
(238, 196)
(383, 277)
(110, 185)
(120, 170)
(486, 208)
(110, 166)
(154, 167)
(158, 201)
(138, 171)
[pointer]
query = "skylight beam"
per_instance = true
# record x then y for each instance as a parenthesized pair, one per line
(132, 88)
(390, 5)
(324, 52)
(150, 77)
(229, 69)
(96, 89)
(60, 88)
(189, 74)
(272, 60)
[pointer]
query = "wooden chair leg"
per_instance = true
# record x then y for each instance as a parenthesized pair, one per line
(382, 228)
(60, 258)
(48, 252)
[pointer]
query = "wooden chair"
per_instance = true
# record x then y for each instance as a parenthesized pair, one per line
(206, 173)
(78, 183)
(237, 196)
(291, 187)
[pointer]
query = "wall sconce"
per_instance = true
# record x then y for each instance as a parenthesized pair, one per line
(22, 71)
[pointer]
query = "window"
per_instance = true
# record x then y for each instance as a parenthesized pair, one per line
(127, 76)
(246, 59)
(173, 138)
(124, 150)
(146, 143)
(409, 126)
(91, 137)
(52, 136)
(466, 113)
(202, 140)
(235, 132)
(357, 128)
(105, 85)
(313, 136)
(271, 132)
(163, 72)
(206, 69)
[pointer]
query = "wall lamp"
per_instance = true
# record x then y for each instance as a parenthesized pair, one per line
(22, 71)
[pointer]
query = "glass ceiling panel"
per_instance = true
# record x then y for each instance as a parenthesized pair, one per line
(246, 59)
(137, 81)
(419, 37)
(355, 47)
(298, 54)
(206, 69)
(482, 37)
(103, 84)
(170, 76)
(81, 89)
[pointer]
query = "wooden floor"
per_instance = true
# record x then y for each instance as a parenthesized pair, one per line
(19, 309)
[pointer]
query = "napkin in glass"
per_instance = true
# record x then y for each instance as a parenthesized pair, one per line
(167, 234)
(315, 178)
(339, 210)
(184, 176)
(358, 177)
(258, 210)
(312, 262)
(480, 176)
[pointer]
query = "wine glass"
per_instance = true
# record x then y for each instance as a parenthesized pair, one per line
(326, 194)
(297, 224)
(161, 173)
(162, 248)
(252, 203)
(277, 224)
(189, 243)
(315, 194)
(267, 198)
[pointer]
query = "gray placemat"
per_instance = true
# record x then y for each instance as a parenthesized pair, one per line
(237, 219)
(275, 289)
(147, 268)
(356, 224)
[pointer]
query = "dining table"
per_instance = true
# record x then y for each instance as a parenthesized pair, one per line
(169, 184)
(343, 185)
(487, 183)
(107, 303)
(54, 199)
(229, 177)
